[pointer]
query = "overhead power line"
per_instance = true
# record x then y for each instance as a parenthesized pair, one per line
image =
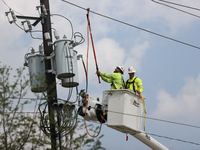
(150, 118)
(175, 7)
(161, 136)
(162, 120)
(175, 139)
(178, 4)
(133, 25)
(10, 7)
(156, 119)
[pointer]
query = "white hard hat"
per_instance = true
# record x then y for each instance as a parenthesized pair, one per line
(121, 68)
(131, 70)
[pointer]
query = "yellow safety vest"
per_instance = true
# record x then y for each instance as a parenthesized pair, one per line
(137, 82)
(115, 78)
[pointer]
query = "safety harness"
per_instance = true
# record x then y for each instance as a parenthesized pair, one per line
(128, 83)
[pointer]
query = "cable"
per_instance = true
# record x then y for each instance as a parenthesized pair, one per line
(134, 26)
(10, 7)
(162, 120)
(66, 122)
(174, 139)
(34, 37)
(179, 5)
(14, 11)
(88, 29)
(78, 34)
(69, 22)
(19, 26)
(85, 74)
(151, 118)
(175, 8)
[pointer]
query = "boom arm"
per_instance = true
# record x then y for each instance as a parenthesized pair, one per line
(149, 141)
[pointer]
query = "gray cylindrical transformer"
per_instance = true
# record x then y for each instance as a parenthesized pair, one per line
(36, 71)
(64, 59)
(72, 81)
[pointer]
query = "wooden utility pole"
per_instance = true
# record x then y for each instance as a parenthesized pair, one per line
(50, 77)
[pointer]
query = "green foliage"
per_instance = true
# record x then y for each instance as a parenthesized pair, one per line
(79, 139)
(18, 130)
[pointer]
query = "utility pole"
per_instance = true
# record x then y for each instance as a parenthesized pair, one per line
(50, 77)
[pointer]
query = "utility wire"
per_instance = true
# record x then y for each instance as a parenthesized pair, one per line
(69, 22)
(133, 25)
(175, 8)
(150, 118)
(180, 140)
(178, 4)
(162, 120)
(161, 136)
(10, 7)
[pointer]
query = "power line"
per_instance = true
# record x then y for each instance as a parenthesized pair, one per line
(161, 136)
(133, 25)
(67, 20)
(10, 7)
(28, 98)
(162, 120)
(180, 140)
(175, 7)
(178, 4)
(150, 118)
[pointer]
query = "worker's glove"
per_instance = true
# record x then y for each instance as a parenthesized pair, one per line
(138, 91)
(98, 73)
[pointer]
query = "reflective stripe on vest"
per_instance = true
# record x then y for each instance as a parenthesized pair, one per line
(121, 84)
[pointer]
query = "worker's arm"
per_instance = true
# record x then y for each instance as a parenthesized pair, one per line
(106, 77)
(139, 85)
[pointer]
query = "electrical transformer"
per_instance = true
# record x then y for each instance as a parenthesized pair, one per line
(64, 58)
(72, 81)
(36, 71)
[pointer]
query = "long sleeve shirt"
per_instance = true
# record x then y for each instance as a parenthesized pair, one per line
(115, 78)
(137, 84)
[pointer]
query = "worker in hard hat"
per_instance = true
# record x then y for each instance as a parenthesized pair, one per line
(116, 78)
(133, 83)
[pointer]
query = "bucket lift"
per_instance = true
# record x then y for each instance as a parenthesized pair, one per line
(124, 111)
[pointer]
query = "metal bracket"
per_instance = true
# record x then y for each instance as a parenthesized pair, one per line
(53, 63)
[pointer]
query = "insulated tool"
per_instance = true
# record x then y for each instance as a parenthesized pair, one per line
(92, 43)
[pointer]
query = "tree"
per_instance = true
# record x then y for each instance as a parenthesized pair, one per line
(77, 141)
(18, 130)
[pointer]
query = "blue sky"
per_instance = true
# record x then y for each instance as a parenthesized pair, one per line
(169, 70)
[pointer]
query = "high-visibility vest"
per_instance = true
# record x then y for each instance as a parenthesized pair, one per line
(134, 84)
(115, 79)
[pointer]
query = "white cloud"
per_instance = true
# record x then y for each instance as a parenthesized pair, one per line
(134, 58)
(109, 54)
(184, 105)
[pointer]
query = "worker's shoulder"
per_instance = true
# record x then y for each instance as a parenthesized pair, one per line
(117, 75)
(138, 80)
(134, 78)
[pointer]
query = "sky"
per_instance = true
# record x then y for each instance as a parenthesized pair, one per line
(168, 69)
